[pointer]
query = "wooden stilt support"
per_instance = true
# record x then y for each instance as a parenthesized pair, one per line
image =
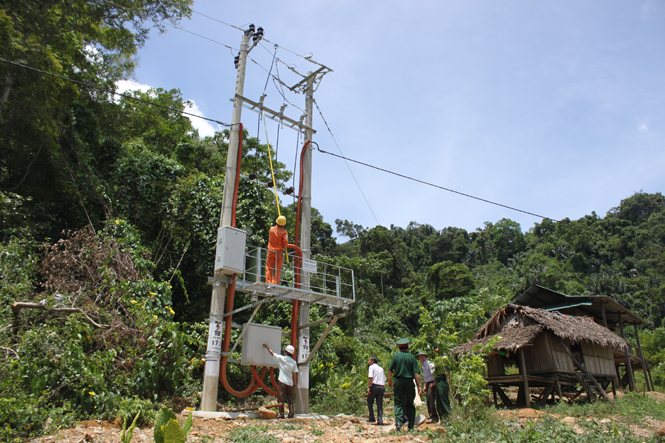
(629, 364)
(649, 386)
(525, 377)
(558, 389)
(545, 395)
(585, 387)
(504, 398)
(588, 374)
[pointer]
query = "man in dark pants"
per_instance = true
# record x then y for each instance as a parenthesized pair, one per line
(441, 395)
(430, 386)
(288, 378)
(376, 389)
(405, 367)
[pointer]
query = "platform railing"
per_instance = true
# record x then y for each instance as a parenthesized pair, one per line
(325, 279)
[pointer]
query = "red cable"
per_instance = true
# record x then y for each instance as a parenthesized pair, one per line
(260, 380)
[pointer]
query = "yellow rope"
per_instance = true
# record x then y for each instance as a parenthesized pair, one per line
(272, 173)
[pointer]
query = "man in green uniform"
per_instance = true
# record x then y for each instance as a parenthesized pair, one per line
(441, 395)
(404, 367)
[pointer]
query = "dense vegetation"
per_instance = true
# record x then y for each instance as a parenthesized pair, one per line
(111, 206)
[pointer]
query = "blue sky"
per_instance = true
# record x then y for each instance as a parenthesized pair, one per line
(555, 108)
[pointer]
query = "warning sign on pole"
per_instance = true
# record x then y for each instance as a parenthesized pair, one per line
(309, 265)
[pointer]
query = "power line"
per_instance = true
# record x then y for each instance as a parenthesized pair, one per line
(397, 260)
(202, 36)
(217, 20)
(110, 91)
(347, 164)
(303, 56)
(437, 186)
(276, 78)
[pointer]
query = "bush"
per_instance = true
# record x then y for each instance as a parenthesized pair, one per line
(121, 355)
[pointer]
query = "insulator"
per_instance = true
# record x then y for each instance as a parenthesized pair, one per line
(345, 306)
(269, 185)
(289, 190)
(251, 28)
(260, 32)
(330, 311)
(253, 175)
(255, 297)
(236, 61)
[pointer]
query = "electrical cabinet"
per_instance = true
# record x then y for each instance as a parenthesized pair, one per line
(230, 251)
(253, 352)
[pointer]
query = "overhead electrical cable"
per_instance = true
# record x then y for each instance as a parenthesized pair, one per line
(303, 56)
(411, 178)
(276, 78)
(390, 245)
(110, 91)
(437, 186)
(217, 20)
(202, 36)
(347, 164)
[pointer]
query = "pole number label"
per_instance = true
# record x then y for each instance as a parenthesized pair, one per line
(303, 348)
(215, 336)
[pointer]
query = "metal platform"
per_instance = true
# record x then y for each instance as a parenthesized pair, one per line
(329, 285)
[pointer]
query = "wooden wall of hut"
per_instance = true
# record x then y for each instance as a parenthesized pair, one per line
(495, 366)
(598, 360)
(546, 356)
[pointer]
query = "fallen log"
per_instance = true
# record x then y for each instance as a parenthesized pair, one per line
(17, 306)
(254, 408)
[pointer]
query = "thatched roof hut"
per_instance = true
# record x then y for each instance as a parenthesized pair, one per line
(518, 326)
(558, 342)
(552, 350)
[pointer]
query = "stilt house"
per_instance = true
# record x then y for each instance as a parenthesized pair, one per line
(605, 311)
(549, 350)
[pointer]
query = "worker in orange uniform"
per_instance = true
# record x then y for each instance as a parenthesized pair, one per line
(277, 242)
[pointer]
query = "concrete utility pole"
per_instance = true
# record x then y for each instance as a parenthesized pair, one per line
(302, 391)
(220, 282)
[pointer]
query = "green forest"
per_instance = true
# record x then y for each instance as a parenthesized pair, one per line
(109, 207)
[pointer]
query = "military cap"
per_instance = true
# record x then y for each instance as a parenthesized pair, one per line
(422, 353)
(403, 342)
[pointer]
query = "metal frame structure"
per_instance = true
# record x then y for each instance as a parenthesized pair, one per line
(331, 285)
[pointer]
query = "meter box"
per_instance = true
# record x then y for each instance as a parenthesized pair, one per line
(230, 253)
(253, 352)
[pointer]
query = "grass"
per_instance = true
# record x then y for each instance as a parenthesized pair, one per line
(485, 425)
(251, 434)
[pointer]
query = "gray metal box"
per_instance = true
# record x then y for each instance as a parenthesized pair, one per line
(253, 352)
(230, 252)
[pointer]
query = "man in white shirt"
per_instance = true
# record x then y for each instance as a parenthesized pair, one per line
(430, 383)
(375, 390)
(288, 378)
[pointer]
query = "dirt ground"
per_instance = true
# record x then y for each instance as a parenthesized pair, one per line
(341, 428)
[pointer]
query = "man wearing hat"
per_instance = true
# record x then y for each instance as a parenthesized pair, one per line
(278, 239)
(405, 368)
(430, 383)
(287, 380)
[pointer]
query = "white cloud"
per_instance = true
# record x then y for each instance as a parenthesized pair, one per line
(643, 127)
(205, 128)
(130, 85)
